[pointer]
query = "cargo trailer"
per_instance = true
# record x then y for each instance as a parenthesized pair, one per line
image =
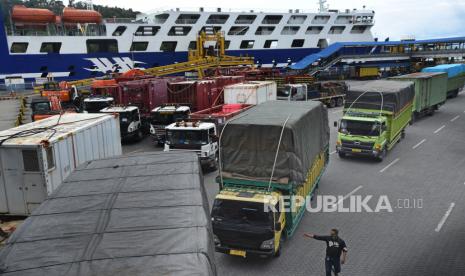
(253, 92)
(144, 214)
(456, 77)
(221, 113)
(268, 158)
(375, 116)
(35, 158)
(430, 91)
(198, 95)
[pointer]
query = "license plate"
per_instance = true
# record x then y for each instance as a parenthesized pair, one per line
(237, 253)
(356, 150)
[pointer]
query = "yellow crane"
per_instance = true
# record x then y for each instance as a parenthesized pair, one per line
(209, 53)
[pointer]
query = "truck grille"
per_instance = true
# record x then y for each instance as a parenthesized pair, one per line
(358, 145)
(234, 239)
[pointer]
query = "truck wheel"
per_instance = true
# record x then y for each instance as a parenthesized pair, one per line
(341, 154)
(332, 103)
(139, 135)
(431, 111)
(402, 134)
(340, 102)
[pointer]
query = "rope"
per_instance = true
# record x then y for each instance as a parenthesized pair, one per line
(277, 151)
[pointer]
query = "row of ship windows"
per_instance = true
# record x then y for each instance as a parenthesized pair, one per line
(238, 30)
(268, 19)
(111, 46)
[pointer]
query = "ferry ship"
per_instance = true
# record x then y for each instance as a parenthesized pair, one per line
(80, 44)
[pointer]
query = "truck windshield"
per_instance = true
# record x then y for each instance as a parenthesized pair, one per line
(187, 137)
(243, 212)
(41, 107)
(363, 128)
(96, 106)
(284, 92)
(159, 118)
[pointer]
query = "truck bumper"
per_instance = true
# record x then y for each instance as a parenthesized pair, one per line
(248, 252)
(358, 152)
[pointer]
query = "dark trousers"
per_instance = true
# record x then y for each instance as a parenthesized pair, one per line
(332, 263)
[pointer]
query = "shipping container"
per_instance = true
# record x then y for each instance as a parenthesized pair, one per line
(198, 95)
(364, 72)
(144, 214)
(430, 91)
(255, 92)
(36, 157)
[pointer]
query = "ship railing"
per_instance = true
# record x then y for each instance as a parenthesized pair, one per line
(124, 20)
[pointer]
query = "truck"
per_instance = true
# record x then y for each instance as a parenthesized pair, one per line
(130, 123)
(199, 137)
(94, 104)
(364, 72)
(375, 116)
(330, 93)
(163, 116)
(35, 158)
(456, 77)
(120, 210)
(268, 159)
(430, 92)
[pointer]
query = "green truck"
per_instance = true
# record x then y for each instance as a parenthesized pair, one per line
(430, 91)
(270, 162)
(375, 116)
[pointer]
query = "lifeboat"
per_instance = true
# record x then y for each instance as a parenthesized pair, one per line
(23, 14)
(72, 15)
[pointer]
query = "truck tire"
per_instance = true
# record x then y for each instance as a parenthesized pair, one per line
(332, 103)
(341, 154)
(402, 134)
(139, 135)
(340, 102)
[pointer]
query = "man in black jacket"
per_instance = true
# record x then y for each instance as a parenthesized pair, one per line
(335, 248)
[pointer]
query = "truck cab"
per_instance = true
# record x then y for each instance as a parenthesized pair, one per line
(197, 136)
(42, 107)
(292, 92)
(163, 116)
(362, 134)
(129, 120)
(248, 222)
(94, 104)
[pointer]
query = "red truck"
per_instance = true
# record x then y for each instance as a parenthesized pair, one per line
(221, 113)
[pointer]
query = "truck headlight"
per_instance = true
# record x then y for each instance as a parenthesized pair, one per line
(268, 244)
(216, 240)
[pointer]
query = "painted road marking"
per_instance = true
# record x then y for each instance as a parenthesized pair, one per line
(439, 129)
(419, 144)
(388, 166)
(333, 152)
(455, 118)
(349, 194)
(444, 218)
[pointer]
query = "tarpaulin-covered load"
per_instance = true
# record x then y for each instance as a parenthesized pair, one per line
(367, 95)
(144, 214)
(452, 70)
(249, 141)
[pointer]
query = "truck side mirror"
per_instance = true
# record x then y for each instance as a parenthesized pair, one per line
(335, 123)
(277, 226)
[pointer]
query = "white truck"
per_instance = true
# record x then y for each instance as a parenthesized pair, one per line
(201, 137)
(331, 93)
(129, 120)
(164, 115)
(35, 158)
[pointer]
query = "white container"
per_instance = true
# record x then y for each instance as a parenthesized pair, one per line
(34, 165)
(255, 92)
